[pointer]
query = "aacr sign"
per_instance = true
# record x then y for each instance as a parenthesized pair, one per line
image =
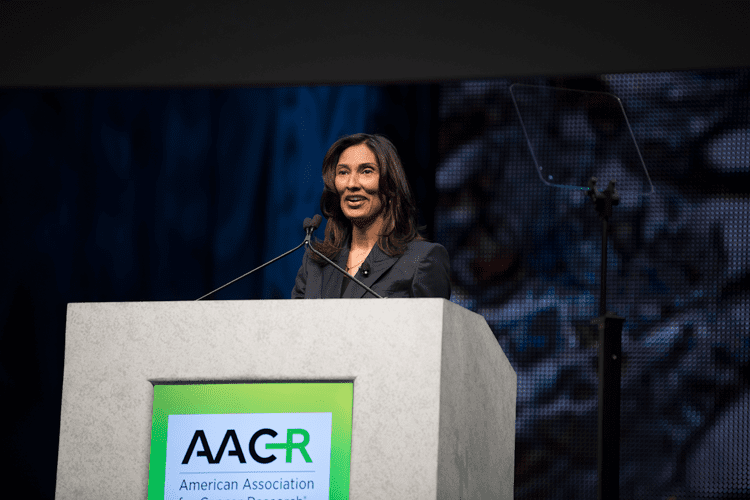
(234, 453)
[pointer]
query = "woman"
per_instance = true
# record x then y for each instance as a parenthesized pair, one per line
(371, 230)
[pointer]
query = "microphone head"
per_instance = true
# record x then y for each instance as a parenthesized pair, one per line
(307, 223)
(316, 220)
(365, 269)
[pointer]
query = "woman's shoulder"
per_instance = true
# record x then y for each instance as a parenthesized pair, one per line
(421, 249)
(424, 246)
(431, 269)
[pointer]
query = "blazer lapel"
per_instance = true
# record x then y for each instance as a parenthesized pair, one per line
(379, 262)
(332, 278)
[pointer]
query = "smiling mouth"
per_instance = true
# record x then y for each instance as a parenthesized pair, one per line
(354, 199)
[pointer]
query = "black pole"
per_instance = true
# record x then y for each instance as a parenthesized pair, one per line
(608, 452)
(609, 328)
(251, 272)
(603, 271)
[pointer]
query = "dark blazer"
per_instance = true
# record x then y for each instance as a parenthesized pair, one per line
(422, 271)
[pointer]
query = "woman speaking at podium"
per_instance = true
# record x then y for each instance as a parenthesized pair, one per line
(371, 230)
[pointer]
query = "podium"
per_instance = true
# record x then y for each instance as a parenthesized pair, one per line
(434, 396)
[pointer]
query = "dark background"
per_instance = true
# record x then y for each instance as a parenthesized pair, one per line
(152, 151)
(525, 256)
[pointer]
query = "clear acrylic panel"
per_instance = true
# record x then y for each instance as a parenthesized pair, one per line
(574, 135)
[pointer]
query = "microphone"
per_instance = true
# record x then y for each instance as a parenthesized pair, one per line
(365, 269)
(308, 224)
(314, 223)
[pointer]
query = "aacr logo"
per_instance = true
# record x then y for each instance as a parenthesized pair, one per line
(236, 450)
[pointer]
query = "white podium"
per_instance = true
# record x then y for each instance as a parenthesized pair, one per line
(434, 395)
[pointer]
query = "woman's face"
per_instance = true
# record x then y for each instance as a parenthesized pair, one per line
(358, 182)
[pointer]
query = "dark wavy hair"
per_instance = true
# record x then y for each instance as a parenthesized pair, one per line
(399, 209)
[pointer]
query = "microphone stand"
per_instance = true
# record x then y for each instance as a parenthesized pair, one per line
(256, 269)
(610, 353)
(341, 270)
(310, 226)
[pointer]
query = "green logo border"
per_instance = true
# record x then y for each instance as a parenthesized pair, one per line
(272, 397)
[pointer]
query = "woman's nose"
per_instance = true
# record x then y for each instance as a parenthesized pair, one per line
(352, 181)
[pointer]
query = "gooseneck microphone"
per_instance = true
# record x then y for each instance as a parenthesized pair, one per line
(364, 269)
(309, 225)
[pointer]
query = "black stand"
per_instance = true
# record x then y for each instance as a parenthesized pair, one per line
(310, 225)
(344, 272)
(251, 272)
(610, 355)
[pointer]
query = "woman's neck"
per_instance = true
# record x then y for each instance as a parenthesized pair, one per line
(365, 237)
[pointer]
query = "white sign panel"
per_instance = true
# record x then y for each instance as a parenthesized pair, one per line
(253, 456)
